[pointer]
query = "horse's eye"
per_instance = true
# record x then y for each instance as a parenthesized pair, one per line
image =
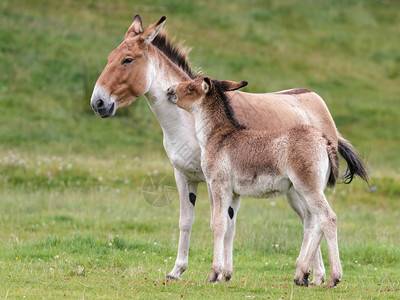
(127, 61)
(190, 89)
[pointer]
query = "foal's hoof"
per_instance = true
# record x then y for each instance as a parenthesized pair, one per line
(302, 281)
(171, 277)
(227, 277)
(332, 283)
(214, 277)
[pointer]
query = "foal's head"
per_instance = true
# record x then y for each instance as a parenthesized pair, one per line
(190, 93)
(126, 75)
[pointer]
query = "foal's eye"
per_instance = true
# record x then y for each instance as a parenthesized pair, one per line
(127, 61)
(190, 89)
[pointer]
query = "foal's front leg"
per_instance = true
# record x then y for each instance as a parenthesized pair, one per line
(221, 202)
(229, 235)
(187, 197)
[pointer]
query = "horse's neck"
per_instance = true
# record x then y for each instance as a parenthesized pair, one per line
(175, 122)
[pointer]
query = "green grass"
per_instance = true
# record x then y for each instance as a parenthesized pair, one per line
(73, 219)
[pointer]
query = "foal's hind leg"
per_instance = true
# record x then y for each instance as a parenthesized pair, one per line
(326, 225)
(298, 205)
(229, 235)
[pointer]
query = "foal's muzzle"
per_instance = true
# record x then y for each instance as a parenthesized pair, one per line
(171, 94)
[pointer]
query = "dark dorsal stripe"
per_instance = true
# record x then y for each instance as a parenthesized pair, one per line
(296, 91)
(174, 53)
(220, 92)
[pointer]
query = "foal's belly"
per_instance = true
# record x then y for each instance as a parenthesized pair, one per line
(261, 187)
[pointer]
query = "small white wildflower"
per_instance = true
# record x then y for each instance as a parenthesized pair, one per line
(375, 269)
(69, 166)
(356, 262)
(100, 178)
(51, 269)
(56, 257)
(273, 203)
(80, 270)
(155, 243)
(126, 181)
(110, 244)
(170, 257)
(266, 263)
(165, 260)
(144, 252)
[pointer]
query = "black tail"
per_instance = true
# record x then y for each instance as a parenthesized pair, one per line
(355, 166)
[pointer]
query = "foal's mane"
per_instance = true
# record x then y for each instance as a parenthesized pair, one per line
(176, 53)
(220, 92)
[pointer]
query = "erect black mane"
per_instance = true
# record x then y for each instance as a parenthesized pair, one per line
(175, 53)
(220, 91)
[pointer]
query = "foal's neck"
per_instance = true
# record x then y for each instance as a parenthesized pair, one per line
(216, 118)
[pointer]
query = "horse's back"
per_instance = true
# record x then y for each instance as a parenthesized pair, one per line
(283, 110)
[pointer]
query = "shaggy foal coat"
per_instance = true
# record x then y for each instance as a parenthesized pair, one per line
(237, 161)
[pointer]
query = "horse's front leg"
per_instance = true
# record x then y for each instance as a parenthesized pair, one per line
(187, 196)
(229, 235)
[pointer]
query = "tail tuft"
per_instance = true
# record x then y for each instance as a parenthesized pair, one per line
(355, 166)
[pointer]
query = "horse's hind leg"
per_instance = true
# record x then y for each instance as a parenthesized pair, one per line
(229, 235)
(298, 205)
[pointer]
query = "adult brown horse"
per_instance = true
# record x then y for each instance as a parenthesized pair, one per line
(146, 63)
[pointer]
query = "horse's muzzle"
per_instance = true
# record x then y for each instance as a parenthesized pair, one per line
(99, 106)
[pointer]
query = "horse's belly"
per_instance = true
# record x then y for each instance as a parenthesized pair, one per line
(262, 187)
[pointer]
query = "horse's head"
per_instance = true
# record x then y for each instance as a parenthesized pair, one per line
(187, 94)
(126, 75)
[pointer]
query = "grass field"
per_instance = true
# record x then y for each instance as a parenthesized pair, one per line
(73, 219)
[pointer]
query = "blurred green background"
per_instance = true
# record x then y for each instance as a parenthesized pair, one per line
(53, 51)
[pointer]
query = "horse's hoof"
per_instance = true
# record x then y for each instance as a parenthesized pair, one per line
(170, 277)
(317, 281)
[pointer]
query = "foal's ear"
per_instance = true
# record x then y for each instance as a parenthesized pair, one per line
(232, 85)
(135, 28)
(148, 35)
(206, 85)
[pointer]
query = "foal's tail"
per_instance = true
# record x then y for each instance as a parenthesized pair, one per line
(355, 166)
(334, 160)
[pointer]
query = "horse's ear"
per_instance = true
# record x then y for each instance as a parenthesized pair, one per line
(206, 85)
(232, 85)
(148, 35)
(135, 28)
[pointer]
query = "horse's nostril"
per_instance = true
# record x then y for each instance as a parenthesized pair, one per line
(99, 103)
